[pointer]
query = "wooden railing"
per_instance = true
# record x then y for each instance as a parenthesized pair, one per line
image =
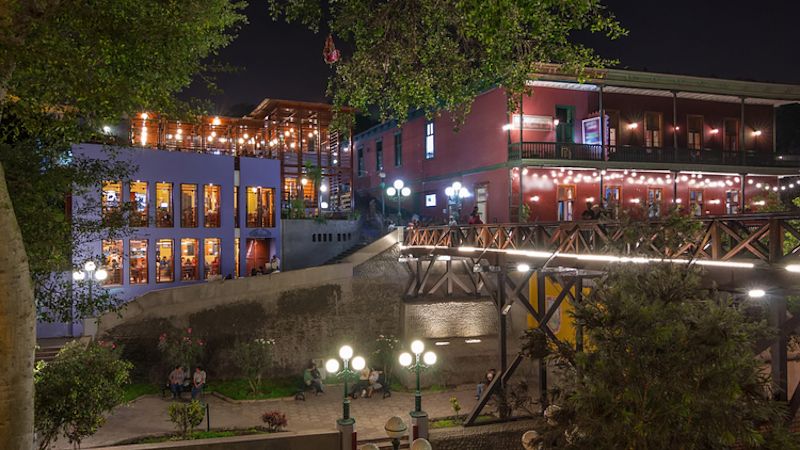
(629, 153)
(769, 238)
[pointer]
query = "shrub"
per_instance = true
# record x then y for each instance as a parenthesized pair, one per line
(274, 420)
(185, 349)
(455, 406)
(253, 357)
(384, 354)
(76, 389)
(186, 416)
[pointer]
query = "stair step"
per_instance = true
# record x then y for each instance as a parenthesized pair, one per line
(385, 443)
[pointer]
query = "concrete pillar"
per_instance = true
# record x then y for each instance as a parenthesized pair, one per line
(778, 350)
(347, 431)
(419, 426)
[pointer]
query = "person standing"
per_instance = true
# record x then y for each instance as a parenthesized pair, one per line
(275, 264)
(198, 381)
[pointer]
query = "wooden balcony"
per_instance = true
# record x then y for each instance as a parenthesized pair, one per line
(610, 154)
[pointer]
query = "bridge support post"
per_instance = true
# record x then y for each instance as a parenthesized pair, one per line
(778, 350)
(541, 306)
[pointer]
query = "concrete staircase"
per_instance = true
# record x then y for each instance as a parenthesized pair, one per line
(47, 349)
(342, 256)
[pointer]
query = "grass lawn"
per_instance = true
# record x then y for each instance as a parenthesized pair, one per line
(233, 389)
(135, 390)
(447, 423)
(270, 388)
(197, 435)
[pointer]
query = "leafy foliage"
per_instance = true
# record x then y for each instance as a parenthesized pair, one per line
(439, 54)
(184, 349)
(384, 354)
(76, 389)
(670, 365)
(274, 420)
(253, 357)
(186, 416)
(68, 69)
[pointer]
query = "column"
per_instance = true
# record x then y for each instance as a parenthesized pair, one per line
(741, 133)
(778, 351)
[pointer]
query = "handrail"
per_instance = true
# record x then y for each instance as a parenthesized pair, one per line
(761, 236)
(632, 153)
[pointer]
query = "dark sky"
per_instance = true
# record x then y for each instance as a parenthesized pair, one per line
(749, 40)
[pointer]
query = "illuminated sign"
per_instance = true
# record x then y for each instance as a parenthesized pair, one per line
(430, 200)
(591, 131)
(529, 122)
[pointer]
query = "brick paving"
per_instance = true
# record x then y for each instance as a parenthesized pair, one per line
(148, 415)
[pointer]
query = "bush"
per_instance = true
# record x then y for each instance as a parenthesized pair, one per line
(274, 420)
(455, 406)
(185, 349)
(253, 357)
(76, 389)
(186, 416)
(385, 354)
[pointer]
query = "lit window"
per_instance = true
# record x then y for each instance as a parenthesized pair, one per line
(566, 203)
(138, 261)
(652, 129)
(164, 205)
(189, 205)
(694, 132)
(211, 257)
(211, 205)
(360, 162)
(429, 140)
(189, 260)
(378, 156)
(139, 201)
(236, 206)
(696, 202)
(236, 258)
(732, 201)
(112, 194)
(165, 261)
(430, 200)
(112, 262)
(260, 207)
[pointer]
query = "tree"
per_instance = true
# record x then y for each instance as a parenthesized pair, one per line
(669, 364)
(439, 54)
(17, 340)
(72, 400)
(66, 70)
(253, 357)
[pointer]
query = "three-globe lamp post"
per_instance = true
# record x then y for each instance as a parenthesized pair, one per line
(398, 189)
(332, 366)
(456, 193)
(417, 363)
(90, 273)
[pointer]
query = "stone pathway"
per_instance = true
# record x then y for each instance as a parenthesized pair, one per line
(148, 414)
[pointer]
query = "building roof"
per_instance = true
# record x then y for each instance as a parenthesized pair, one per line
(664, 85)
(292, 110)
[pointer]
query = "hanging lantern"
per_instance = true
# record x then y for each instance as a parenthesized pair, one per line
(330, 53)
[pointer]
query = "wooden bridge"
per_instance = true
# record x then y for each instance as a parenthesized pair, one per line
(738, 252)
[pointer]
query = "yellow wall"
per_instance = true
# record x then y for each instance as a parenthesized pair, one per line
(561, 322)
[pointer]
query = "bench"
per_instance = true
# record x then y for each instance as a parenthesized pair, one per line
(185, 387)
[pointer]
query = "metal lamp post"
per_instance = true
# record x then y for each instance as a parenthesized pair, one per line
(419, 419)
(455, 194)
(346, 424)
(382, 176)
(399, 190)
(90, 273)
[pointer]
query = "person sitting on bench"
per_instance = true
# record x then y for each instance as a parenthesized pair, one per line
(313, 379)
(198, 382)
(374, 385)
(176, 381)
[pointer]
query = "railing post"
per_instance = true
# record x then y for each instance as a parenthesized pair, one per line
(775, 240)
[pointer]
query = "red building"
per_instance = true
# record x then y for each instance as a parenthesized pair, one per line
(705, 144)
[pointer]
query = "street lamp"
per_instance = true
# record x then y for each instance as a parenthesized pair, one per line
(456, 192)
(418, 416)
(332, 366)
(90, 273)
(382, 176)
(400, 190)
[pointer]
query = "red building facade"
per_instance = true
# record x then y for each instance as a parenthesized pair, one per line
(702, 144)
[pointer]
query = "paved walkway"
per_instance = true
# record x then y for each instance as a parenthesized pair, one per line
(148, 414)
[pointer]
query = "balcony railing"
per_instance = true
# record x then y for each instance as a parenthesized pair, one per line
(636, 154)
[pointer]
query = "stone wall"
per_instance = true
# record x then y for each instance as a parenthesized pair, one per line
(307, 243)
(310, 313)
(507, 436)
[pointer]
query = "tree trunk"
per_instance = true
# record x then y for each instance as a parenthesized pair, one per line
(17, 332)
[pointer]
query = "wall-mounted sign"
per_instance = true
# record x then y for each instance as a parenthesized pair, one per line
(591, 131)
(430, 200)
(530, 122)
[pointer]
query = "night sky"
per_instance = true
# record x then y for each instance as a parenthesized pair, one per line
(746, 40)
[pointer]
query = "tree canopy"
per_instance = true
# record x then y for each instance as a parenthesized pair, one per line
(67, 69)
(405, 55)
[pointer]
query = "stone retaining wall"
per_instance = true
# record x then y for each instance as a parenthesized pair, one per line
(506, 436)
(326, 440)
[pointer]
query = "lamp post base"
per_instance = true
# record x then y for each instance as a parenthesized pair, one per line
(347, 432)
(419, 425)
